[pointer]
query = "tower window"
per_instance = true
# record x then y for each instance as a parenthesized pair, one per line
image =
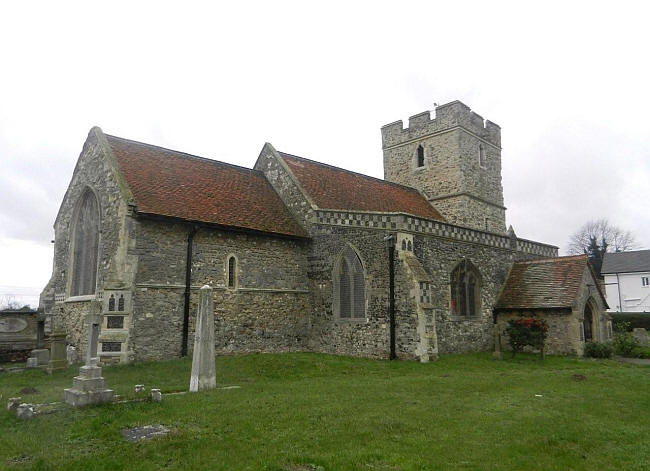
(120, 303)
(420, 156)
(232, 272)
(482, 158)
(111, 303)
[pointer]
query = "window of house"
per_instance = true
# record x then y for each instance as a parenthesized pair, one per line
(85, 246)
(420, 156)
(232, 272)
(644, 281)
(349, 286)
(465, 290)
(482, 158)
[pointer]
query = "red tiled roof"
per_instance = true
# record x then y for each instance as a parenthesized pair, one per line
(334, 188)
(170, 183)
(543, 284)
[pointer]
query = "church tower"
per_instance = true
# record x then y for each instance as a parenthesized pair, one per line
(454, 159)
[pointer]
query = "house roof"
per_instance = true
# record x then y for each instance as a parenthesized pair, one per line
(543, 284)
(626, 262)
(174, 184)
(335, 188)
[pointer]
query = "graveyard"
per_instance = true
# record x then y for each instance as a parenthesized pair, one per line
(310, 411)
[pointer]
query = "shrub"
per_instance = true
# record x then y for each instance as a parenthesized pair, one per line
(632, 319)
(526, 331)
(624, 342)
(598, 350)
(641, 352)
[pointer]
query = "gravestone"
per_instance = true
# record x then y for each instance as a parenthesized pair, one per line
(40, 356)
(203, 369)
(57, 352)
(90, 387)
(641, 336)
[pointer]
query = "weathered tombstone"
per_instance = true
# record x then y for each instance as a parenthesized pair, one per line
(71, 355)
(57, 352)
(40, 356)
(203, 369)
(25, 411)
(641, 336)
(90, 387)
(156, 395)
(13, 403)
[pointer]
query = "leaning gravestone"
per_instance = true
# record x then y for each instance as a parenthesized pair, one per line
(641, 336)
(203, 369)
(90, 387)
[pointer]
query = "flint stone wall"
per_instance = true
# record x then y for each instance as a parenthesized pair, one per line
(96, 170)
(268, 311)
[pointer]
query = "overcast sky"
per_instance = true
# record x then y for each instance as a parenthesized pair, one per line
(566, 81)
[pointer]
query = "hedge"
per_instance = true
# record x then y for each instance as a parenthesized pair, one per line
(636, 319)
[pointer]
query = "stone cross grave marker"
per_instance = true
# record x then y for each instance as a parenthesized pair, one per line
(203, 369)
(90, 387)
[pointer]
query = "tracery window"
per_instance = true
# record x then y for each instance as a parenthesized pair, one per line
(465, 290)
(349, 286)
(85, 246)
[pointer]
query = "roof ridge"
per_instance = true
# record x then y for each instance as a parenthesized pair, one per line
(553, 259)
(627, 252)
(185, 154)
(381, 180)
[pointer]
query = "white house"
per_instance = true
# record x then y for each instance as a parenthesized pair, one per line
(627, 281)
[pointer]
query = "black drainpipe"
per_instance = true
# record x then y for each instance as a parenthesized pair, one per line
(391, 293)
(188, 282)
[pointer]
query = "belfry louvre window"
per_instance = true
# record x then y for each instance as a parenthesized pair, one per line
(465, 290)
(349, 286)
(85, 245)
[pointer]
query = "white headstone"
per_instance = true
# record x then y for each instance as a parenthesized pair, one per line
(203, 369)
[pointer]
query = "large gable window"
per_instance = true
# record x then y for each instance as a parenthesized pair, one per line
(349, 286)
(85, 246)
(465, 290)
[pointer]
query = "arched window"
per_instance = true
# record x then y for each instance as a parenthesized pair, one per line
(588, 323)
(349, 286)
(403, 244)
(465, 290)
(410, 246)
(111, 303)
(420, 156)
(85, 245)
(120, 303)
(232, 272)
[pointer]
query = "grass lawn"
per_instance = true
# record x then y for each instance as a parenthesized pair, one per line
(300, 412)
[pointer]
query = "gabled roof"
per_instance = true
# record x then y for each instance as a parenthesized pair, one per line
(626, 262)
(174, 184)
(544, 284)
(335, 188)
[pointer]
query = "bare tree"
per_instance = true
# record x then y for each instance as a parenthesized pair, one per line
(7, 301)
(597, 237)
(608, 237)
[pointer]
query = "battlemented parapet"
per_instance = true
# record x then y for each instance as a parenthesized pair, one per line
(447, 116)
(454, 159)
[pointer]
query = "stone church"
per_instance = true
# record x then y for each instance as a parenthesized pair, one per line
(304, 256)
